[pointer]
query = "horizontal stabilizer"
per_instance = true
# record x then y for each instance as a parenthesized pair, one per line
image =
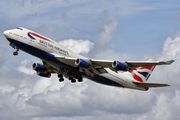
(141, 84)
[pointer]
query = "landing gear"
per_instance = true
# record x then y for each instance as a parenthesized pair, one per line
(72, 79)
(16, 52)
(61, 78)
(79, 77)
(73, 76)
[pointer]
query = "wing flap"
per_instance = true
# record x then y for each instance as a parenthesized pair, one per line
(67, 60)
(150, 84)
(103, 63)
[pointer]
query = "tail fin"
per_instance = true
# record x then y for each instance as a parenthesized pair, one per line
(141, 74)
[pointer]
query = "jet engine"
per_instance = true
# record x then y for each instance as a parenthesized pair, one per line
(39, 68)
(48, 75)
(119, 66)
(82, 63)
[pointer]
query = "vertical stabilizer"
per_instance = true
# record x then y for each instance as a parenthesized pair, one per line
(141, 74)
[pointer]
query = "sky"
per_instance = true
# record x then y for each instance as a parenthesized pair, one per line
(104, 29)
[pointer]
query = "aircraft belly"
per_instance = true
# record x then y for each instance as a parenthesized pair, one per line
(103, 79)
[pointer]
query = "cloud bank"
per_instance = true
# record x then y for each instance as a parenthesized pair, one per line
(41, 98)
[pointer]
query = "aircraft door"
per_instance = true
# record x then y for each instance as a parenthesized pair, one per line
(30, 41)
(51, 49)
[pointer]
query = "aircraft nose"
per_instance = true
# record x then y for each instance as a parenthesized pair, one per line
(6, 33)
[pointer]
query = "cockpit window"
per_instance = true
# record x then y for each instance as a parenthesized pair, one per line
(20, 28)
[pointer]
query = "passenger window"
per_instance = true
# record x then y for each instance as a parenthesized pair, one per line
(16, 35)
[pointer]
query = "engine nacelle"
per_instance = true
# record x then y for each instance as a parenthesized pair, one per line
(47, 75)
(39, 68)
(82, 63)
(119, 66)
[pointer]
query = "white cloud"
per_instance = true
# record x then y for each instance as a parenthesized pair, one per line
(44, 85)
(112, 55)
(78, 46)
(25, 67)
(170, 48)
(106, 34)
(6, 89)
(167, 107)
(169, 74)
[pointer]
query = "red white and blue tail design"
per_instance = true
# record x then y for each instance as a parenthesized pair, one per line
(141, 74)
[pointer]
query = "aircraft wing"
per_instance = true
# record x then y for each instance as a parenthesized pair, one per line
(106, 63)
(128, 65)
(103, 63)
(141, 84)
(113, 65)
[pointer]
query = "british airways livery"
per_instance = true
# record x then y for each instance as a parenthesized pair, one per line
(65, 63)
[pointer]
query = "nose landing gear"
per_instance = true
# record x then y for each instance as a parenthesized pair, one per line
(16, 52)
(15, 47)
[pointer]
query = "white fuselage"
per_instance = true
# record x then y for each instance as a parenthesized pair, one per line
(45, 48)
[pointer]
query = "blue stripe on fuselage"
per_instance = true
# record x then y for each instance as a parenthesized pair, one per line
(50, 57)
(31, 36)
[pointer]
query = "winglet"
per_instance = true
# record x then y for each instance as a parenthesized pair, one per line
(168, 62)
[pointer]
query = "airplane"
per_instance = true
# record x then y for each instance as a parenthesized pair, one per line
(57, 59)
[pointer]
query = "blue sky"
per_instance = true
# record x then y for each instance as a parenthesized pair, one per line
(142, 26)
(104, 29)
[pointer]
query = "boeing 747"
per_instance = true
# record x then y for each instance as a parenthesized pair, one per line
(57, 59)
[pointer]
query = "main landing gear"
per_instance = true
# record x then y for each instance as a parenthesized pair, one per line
(78, 77)
(60, 78)
(72, 79)
(73, 75)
